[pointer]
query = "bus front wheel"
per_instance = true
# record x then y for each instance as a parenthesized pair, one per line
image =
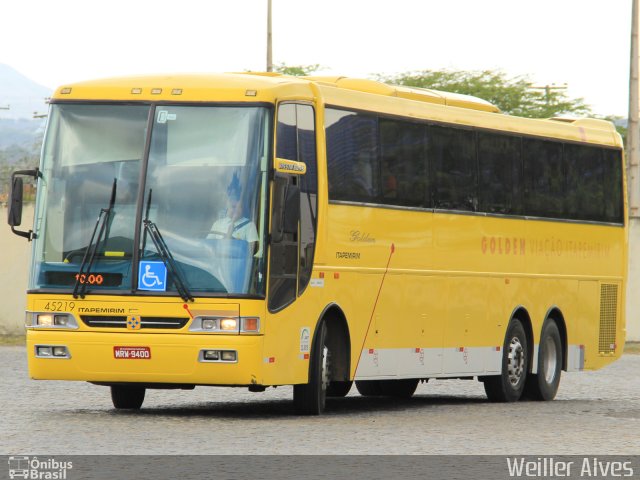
(309, 398)
(544, 385)
(509, 385)
(127, 397)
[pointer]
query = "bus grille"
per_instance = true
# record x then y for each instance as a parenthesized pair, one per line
(608, 318)
(102, 321)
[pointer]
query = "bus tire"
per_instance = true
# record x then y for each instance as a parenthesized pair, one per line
(369, 388)
(509, 385)
(310, 398)
(128, 397)
(404, 388)
(544, 385)
(339, 389)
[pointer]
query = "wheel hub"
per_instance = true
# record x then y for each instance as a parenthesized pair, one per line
(550, 360)
(515, 366)
(324, 374)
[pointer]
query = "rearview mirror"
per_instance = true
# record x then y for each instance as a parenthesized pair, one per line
(15, 198)
(15, 205)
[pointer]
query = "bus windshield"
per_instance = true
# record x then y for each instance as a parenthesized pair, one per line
(190, 216)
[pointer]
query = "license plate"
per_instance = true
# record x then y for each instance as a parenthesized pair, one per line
(132, 353)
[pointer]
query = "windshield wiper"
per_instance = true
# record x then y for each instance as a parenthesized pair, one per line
(151, 229)
(102, 225)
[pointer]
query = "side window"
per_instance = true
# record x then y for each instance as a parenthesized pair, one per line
(500, 166)
(293, 235)
(286, 135)
(613, 195)
(585, 182)
(544, 178)
(308, 192)
(452, 154)
(403, 151)
(352, 157)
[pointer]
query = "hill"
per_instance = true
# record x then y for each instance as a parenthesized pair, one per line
(22, 95)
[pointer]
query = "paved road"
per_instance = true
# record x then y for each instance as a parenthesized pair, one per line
(594, 413)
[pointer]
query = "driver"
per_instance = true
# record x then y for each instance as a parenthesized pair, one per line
(233, 224)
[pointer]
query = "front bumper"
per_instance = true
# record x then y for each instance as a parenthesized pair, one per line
(174, 358)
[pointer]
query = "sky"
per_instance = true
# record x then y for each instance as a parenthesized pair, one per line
(582, 43)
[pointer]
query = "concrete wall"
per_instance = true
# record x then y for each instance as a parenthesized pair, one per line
(15, 252)
(633, 285)
(14, 258)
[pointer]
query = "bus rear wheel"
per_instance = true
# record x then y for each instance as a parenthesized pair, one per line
(404, 388)
(544, 385)
(509, 385)
(310, 398)
(127, 397)
(369, 388)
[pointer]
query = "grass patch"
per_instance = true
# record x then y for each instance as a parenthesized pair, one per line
(13, 340)
(632, 347)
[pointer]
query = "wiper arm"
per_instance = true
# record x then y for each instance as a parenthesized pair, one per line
(101, 227)
(151, 229)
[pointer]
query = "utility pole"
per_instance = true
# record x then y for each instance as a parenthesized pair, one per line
(547, 90)
(269, 55)
(633, 135)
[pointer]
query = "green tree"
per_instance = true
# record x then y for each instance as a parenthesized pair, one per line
(512, 95)
(296, 70)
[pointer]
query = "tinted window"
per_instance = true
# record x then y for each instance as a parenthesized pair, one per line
(292, 253)
(404, 163)
(308, 192)
(500, 165)
(286, 135)
(452, 153)
(614, 200)
(544, 195)
(352, 157)
(584, 182)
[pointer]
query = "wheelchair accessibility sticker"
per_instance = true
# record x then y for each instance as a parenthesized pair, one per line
(152, 276)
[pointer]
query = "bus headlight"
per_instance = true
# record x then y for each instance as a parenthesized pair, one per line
(50, 320)
(215, 324)
(229, 324)
(225, 325)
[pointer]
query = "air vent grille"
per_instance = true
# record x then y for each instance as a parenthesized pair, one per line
(608, 318)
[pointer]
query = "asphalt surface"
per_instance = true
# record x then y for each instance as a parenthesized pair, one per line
(594, 413)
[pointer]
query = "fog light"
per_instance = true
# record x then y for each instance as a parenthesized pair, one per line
(229, 356)
(45, 319)
(59, 351)
(208, 324)
(43, 351)
(211, 355)
(228, 324)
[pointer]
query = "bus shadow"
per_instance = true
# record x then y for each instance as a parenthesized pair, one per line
(267, 409)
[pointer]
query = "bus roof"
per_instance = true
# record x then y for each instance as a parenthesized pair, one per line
(341, 91)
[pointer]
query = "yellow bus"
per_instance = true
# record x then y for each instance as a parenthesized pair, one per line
(257, 230)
